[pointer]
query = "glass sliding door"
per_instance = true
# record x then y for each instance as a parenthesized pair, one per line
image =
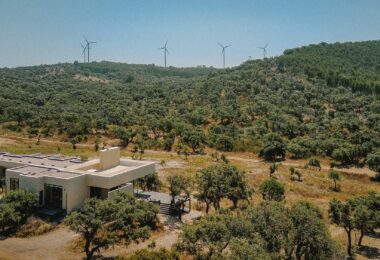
(13, 183)
(53, 196)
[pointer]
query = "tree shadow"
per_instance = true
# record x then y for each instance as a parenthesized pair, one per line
(369, 252)
(374, 234)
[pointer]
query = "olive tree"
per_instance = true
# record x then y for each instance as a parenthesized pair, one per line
(271, 189)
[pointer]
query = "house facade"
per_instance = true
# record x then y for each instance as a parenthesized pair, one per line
(65, 182)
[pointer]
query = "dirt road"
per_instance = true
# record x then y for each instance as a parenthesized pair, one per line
(53, 245)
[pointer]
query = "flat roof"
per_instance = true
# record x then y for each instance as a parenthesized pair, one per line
(112, 171)
(39, 171)
(66, 167)
(54, 160)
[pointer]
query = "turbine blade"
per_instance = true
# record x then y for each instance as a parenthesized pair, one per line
(267, 45)
(221, 45)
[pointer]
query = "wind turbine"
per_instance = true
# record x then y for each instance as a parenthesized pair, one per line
(264, 49)
(88, 48)
(224, 52)
(84, 47)
(165, 49)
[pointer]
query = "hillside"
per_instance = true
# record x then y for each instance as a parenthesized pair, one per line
(355, 65)
(315, 100)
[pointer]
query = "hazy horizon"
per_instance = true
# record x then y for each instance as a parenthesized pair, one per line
(50, 32)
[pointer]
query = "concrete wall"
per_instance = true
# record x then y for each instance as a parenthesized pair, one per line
(109, 158)
(77, 191)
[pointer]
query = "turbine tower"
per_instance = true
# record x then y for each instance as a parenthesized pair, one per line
(224, 53)
(165, 49)
(264, 49)
(84, 47)
(88, 44)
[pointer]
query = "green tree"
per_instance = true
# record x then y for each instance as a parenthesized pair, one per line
(133, 219)
(271, 189)
(272, 169)
(335, 177)
(23, 202)
(270, 220)
(242, 249)
(373, 161)
(102, 223)
(366, 213)
(9, 217)
(91, 223)
(161, 254)
(179, 186)
(273, 147)
(123, 135)
(220, 181)
(183, 149)
(311, 237)
(207, 238)
(194, 138)
(364, 221)
(342, 215)
(236, 187)
(150, 182)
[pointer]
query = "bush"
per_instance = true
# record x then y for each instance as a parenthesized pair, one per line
(145, 254)
(15, 208)
(23, 202)
(224, 143)
(33, 227)
(273, 147)
(271, 189)
(314, 162)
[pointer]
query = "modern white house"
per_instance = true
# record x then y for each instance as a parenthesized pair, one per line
(65, 182)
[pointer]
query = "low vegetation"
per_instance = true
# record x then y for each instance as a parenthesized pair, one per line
(119, 219)
(268, 231)
(15, 208)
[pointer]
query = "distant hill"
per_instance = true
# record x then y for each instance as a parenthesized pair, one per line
(356, 65)
(316, 100)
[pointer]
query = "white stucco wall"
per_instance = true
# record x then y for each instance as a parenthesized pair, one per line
(109, 158)
(77, 191)
(108, 182)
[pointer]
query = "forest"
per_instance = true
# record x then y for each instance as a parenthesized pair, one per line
(317, 100)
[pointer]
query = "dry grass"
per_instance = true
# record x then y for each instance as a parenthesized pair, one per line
(33, 226)
(315, 187)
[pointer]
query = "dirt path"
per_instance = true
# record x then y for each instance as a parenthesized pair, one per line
(58, 244)
(53, 245)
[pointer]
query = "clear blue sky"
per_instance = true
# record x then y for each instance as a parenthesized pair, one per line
(34, 32)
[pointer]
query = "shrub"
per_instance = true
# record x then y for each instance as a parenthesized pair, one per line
(314, 162)
(271, 189)
(33, 227)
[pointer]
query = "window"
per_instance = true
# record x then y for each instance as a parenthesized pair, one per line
(14, 184)
(41, 198)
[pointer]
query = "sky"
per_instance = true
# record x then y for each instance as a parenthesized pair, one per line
(34, 32)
